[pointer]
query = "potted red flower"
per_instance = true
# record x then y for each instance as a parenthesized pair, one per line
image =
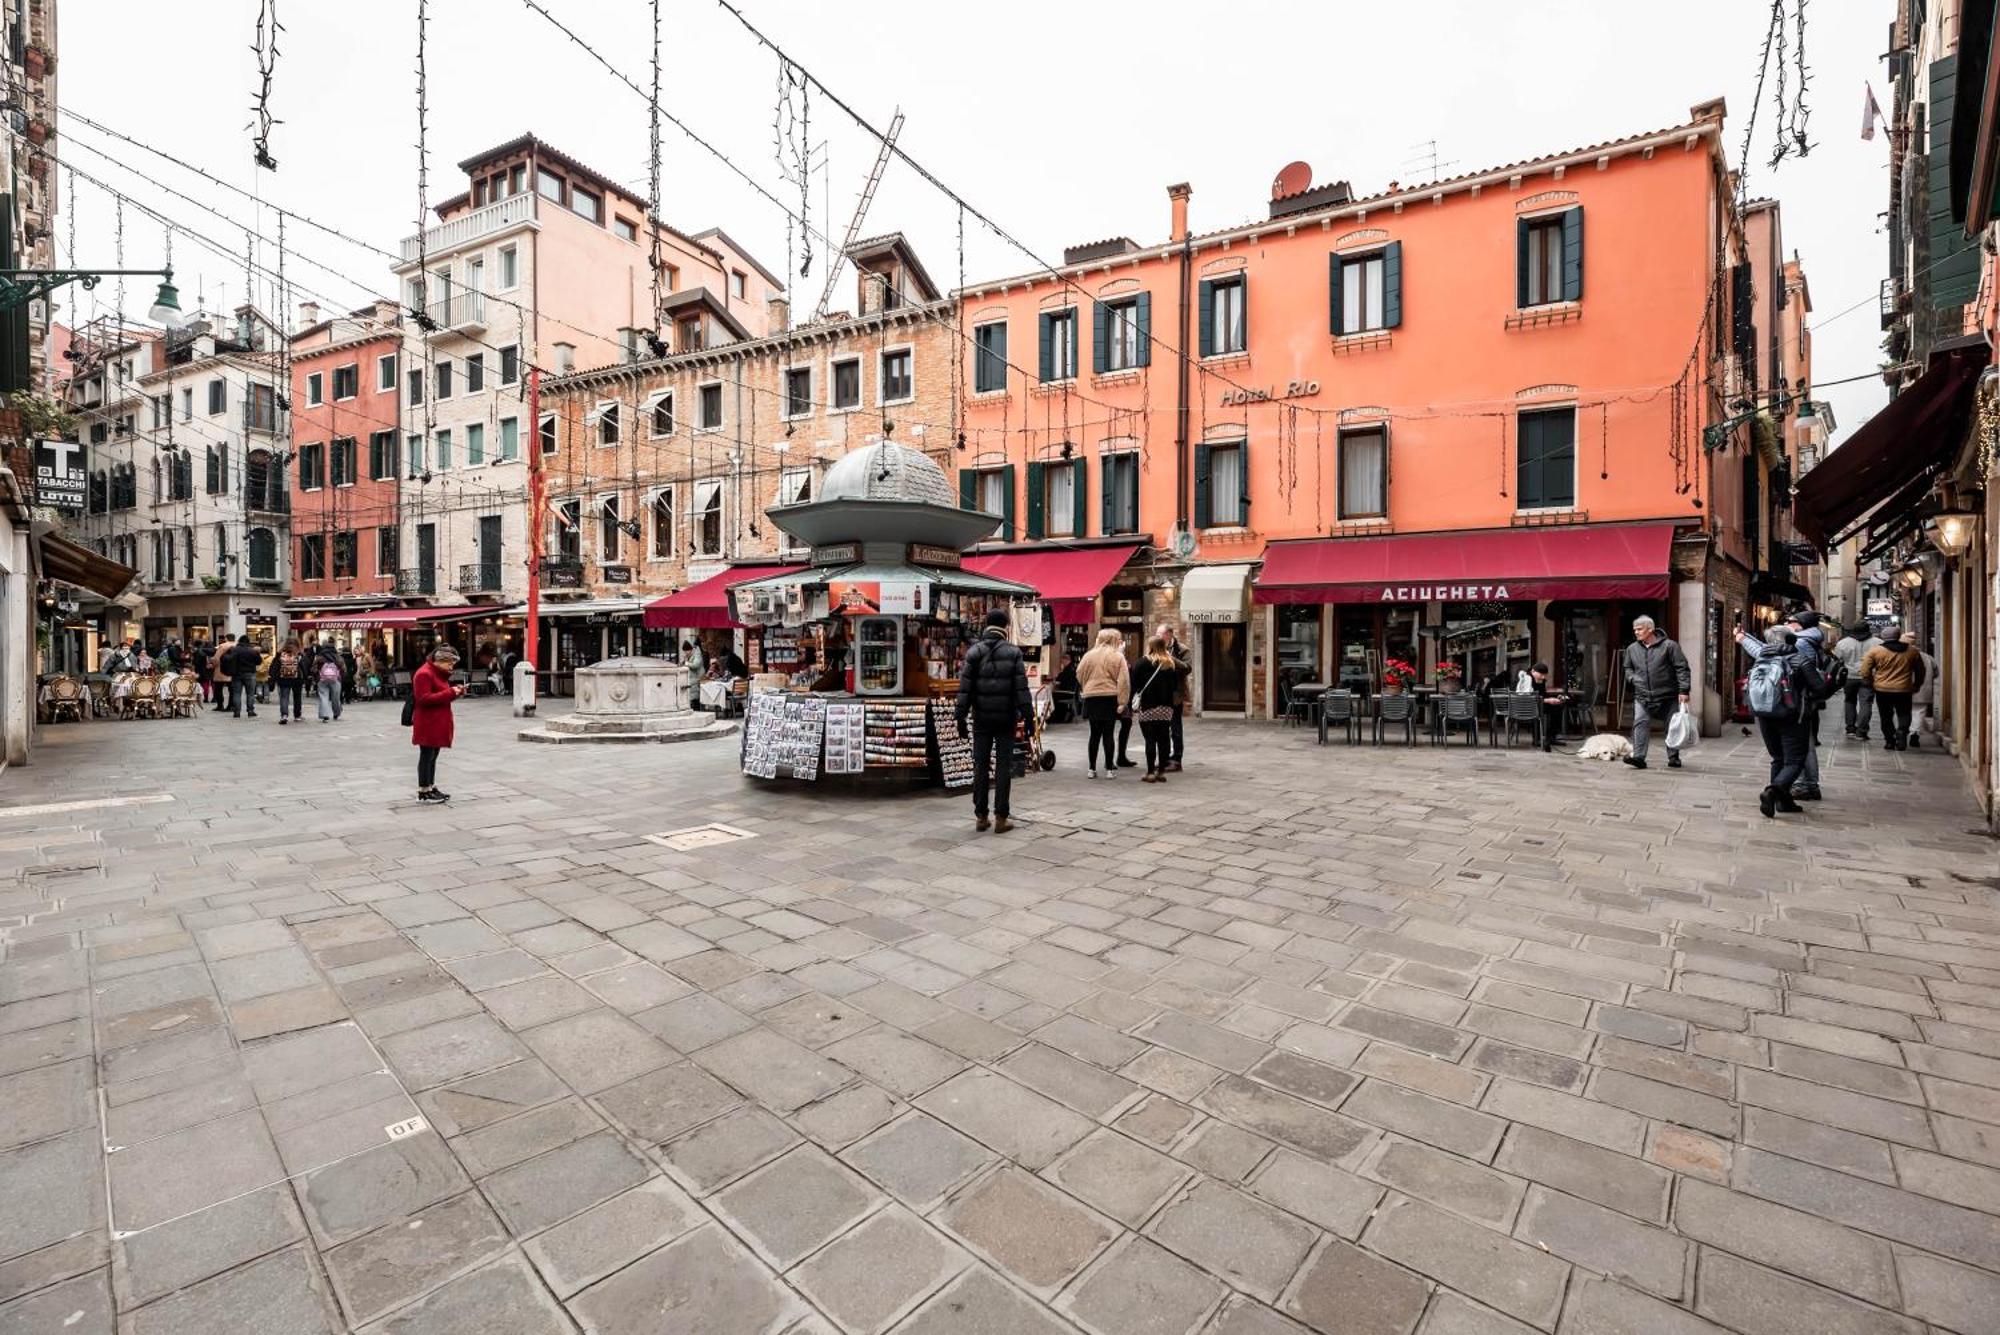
(1397, 676)
(1451, 678)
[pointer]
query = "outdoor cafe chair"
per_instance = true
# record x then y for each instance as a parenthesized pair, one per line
(1496, 714)
(1455, 711)
(1524, 708)
(1339, 707)
(145, 699)
(1396, 709)
(183, 697)
(67, 700)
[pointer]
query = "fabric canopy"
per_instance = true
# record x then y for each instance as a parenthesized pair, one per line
(705, 606)
(1903, 444)
(390, 618)
(1488, 565)
(1214, 594)
(72, 564)
(1068, 579)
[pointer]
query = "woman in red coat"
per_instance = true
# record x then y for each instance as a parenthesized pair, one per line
(431, 694)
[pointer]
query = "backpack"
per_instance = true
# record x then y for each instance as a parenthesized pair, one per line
(1773, 693)
(329, 670)
(1833, 675)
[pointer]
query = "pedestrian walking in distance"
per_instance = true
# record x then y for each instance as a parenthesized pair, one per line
(1894, 670)
(241, 664)
(1104, 684)
(1657, 672)
(329, 676)
(431, 694)
(1784, 678)
(1810, 631)
(1185, 666)
(1851, 649)
(288, 671)
(1153, 700)
(993, 690)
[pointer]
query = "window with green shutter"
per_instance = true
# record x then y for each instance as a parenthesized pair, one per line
(1037, 476)
(1548, 258)
(1368, 290)
(1119, 494)
(1223, 315)
(989, 357)
(1122, 334)
(1545, 469)
(1058, 345)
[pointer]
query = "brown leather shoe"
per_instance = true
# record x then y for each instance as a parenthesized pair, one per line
(982, 824)
(1002, 825)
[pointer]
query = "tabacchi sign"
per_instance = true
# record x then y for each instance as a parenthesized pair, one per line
(1443, 593)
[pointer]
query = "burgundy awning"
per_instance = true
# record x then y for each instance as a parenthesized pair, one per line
(1486, 565)
(705, 606)
(1917, 434)
(391, 618)
(1067, 578)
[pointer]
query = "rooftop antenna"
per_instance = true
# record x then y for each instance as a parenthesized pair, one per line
(860, 211)
(1427, 160)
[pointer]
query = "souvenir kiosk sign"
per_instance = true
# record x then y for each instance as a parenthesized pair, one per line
(893, 630)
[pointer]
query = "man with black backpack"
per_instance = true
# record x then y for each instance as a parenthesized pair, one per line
(1784, 679)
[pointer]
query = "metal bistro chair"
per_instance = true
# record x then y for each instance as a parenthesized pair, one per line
(479, 681)
(1496, 714)
(1524, 708)
(145, 699)
(399, 685)
(1338, 707)
(1396, 709)
(183, 697)
(1455, 711)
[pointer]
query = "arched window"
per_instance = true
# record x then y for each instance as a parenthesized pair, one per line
(263, 554)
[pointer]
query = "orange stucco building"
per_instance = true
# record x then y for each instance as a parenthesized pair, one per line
(1458, 421)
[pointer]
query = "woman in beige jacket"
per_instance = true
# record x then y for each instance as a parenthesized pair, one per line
(1104, 683)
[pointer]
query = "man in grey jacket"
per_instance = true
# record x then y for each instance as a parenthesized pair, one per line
(1657, 672)
(1850, 650)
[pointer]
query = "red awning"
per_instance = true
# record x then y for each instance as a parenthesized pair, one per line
(705, 606)
(392, 617)
(1068, 578)
(1910, 440)
(1487, 565)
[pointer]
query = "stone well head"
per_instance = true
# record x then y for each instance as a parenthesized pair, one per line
(631, 687)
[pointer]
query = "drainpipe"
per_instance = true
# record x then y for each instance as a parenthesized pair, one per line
(1179, 195)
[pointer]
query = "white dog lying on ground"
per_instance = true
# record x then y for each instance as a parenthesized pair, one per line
(1605, 746)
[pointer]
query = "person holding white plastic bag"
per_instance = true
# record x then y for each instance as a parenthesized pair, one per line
(1657, 672)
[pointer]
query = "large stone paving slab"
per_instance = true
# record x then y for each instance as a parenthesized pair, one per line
(1457, 1042)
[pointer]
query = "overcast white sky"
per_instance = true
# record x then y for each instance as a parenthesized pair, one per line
(1062, 120)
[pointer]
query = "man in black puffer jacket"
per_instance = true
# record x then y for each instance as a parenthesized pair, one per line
(993, 688)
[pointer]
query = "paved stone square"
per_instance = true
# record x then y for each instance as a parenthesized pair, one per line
(1363, 1041)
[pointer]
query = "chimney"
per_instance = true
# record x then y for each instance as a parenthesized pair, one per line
(1179, 195)
(777, 315)
(1715, 109)
(308, 314)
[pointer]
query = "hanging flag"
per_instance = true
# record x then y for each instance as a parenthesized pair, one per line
(1871, 111)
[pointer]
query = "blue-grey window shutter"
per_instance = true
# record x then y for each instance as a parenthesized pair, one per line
(1203, 506)
(1206, 316)
(1243, 304)
(1048, 353)
(1559, 459)
(1243, 476)
(1100, 337)
(1105, 492)
(1573, 255)
(1521, 263)
(1143, 313)
(1079, 477)
(1528, 461)
(1007, 509)
(1037, 497)
(1333, 294)
(1392, 286)
(968, 489)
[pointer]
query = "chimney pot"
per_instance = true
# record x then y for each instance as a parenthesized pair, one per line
(778, 315)
(308, 314)
(1179, 195)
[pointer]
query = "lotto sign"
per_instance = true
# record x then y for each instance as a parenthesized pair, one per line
(59, 474)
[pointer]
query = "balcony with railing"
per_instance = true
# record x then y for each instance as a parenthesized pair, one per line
(415, 582)
(460, 312)
(1894, 301)
(467, 228)
(483, 577)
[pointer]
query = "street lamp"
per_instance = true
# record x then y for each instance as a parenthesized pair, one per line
(1911, 576)
(20, 286)
(1951, 533)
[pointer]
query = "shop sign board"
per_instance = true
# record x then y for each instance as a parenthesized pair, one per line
(1444, 593)
(886, 597)
(1881, 607)
(59, 475)
(837, 554)
(923, 554)
(617, 574)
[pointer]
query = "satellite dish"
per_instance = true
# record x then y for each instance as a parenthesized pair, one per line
(1182, 544)
(1294, 179)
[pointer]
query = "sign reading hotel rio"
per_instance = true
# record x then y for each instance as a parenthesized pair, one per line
(1443, 593)
(1294, 389)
